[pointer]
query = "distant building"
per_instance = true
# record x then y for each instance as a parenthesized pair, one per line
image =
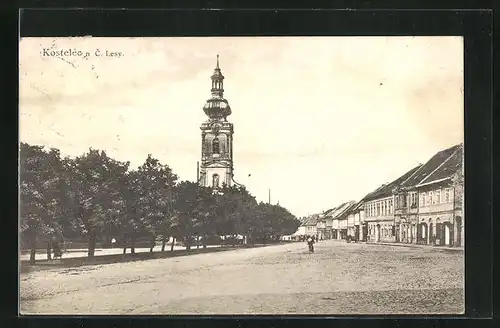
(356, 222)
(338, 216)
(310, 225)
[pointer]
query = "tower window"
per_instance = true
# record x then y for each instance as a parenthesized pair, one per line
(215, 146)
(215, 180)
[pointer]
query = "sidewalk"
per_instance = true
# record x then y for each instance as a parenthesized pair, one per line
(77, 253)
(416, 246)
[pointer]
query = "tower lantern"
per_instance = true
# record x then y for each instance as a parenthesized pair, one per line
(216, 167)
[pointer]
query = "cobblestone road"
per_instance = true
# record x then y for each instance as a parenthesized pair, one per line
(339, 278)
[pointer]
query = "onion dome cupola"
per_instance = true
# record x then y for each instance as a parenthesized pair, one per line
(217, 107)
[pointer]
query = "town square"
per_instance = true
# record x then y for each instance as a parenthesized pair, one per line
(339, 278)
(250, 176)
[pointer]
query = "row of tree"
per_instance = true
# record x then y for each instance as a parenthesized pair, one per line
(98, 198)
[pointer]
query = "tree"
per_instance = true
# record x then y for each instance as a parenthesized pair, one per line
(96, 193)
(41, 194)
(272, 221)
(195, 208)
(236, 209)
(148, 192)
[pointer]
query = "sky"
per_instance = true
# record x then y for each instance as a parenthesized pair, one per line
(318, 120)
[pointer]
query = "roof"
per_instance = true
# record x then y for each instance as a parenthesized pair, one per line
(386, 189)
(312, 220)
(430, 167)
(341, 209)
(448, 167)
(356, 206)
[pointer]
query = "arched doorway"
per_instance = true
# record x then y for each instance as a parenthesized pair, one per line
(215, 180)
(439, 232)
(422, 232)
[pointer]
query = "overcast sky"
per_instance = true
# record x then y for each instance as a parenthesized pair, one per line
(319, 120)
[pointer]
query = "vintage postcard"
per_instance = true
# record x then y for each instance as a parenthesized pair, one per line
(241, 175)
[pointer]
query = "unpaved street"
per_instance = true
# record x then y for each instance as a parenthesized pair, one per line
(339, 278)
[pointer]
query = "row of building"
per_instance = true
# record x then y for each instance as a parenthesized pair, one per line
(423, 206)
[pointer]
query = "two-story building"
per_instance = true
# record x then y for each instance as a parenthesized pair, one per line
(360, 227)
(354, 221)
(379, 208)
(429, 203)
(321, 227)
(339, 219)
(440, 203)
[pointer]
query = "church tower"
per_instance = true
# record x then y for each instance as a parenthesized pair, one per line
(216, 167)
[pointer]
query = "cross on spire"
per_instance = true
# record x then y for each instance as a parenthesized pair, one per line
(217, 61)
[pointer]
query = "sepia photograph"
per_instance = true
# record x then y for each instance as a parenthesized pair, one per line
(241, 175)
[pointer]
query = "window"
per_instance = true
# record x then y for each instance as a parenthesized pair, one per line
(429, 198)
(438, 197)
(447, 195)
(414, 199)
(215, 146)
(422, 199)
(404, 201)
(215, 180)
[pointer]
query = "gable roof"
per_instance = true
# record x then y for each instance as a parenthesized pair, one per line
(430, 167)
(340, 210)
(311, 220)
(448, 168)
(386, 189)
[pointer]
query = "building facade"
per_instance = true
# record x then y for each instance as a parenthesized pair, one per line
(430, 202)
(216, 167)
(379, 207)
(338, 217)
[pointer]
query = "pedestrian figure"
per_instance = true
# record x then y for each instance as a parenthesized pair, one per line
(310, 243)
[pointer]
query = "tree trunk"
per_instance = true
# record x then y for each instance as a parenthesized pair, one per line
(32, 249)
(197, 242)
(163, 242)
(92, 242)
(204, 241)
(132, 243)
(124, 250)
(173, 242)
(49, 250)
(153, 244)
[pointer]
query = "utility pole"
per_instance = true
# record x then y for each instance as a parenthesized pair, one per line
(197, 172)
(269, 196)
